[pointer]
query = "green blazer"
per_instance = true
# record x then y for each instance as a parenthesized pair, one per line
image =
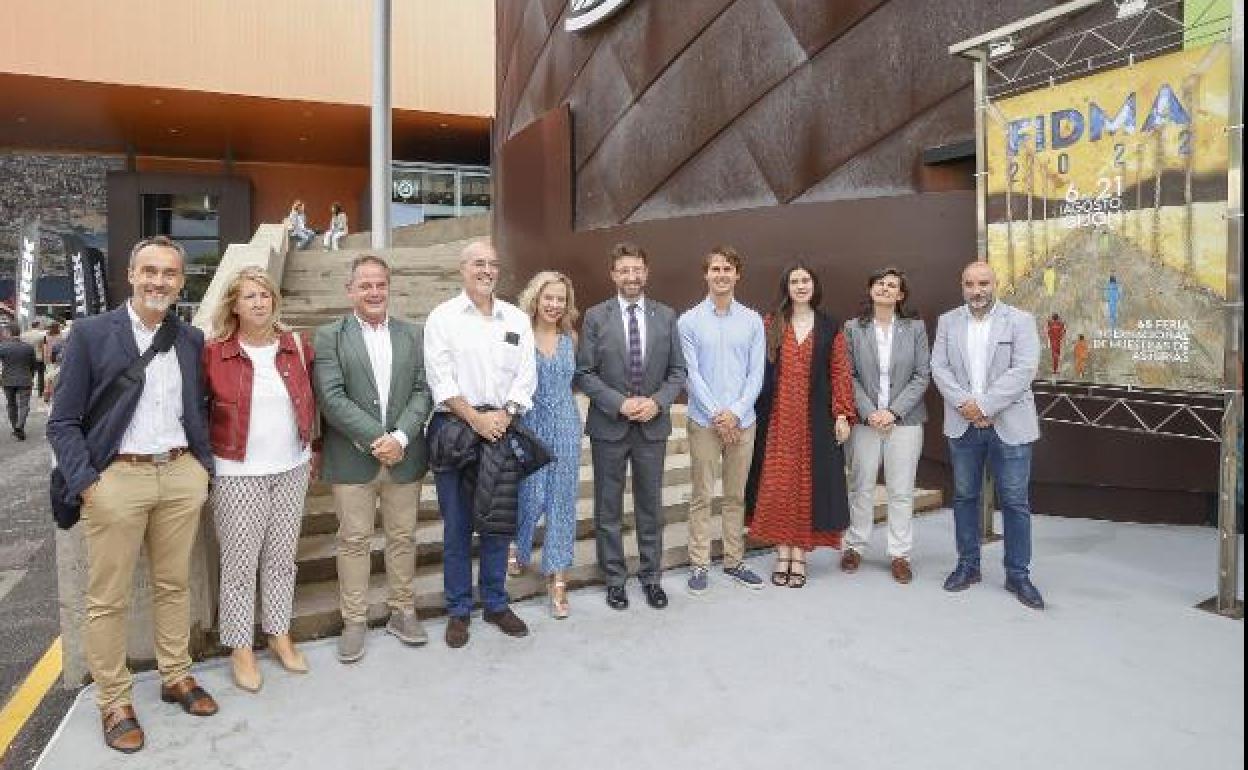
(347, 395)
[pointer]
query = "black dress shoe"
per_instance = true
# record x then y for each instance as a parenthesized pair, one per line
(656, 597)
(617, 598)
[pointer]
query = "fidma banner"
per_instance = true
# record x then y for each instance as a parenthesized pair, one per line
(1106, 203)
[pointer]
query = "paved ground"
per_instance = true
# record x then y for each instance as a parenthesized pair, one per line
(1119, 672)
(28, 606)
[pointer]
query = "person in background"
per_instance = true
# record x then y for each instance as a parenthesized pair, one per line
(891, 369)
(797, 490)
(260, 421)
(17, 373)
(34, 337)
(983, 362)
(297, 220)
(550, 302)
(53, 345)
(337, 227)
(725, 350)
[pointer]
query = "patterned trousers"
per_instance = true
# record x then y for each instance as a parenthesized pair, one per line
(258, 519)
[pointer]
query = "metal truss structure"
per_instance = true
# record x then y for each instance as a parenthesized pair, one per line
(1157, 28)
(1169, 413)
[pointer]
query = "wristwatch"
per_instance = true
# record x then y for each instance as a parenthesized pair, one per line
(513, 409)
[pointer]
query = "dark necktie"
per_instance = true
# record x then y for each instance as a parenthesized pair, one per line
(634, 351)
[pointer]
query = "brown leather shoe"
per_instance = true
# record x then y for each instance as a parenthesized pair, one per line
(193, 699)
(851, 560)
(121, 729)
(508, 622)
(901, 570)
(457, 631)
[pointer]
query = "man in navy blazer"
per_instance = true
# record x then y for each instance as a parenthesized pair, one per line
(984, 359)
(142, 475)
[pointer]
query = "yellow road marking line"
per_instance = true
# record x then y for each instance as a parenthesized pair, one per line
(28, 697)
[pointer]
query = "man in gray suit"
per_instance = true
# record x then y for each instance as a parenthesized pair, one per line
(630, 366)
(983, 362)
(369, 376)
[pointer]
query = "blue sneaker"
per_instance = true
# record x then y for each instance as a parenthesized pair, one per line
(963, 577)
(744, 576)
(1026, 592)
(699, 581)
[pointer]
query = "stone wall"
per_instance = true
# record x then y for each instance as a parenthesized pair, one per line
(69, 194)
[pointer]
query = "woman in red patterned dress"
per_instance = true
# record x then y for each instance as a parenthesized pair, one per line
(797, 491)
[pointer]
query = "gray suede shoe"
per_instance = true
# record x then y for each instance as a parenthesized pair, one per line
(351, 643)
(407, 627)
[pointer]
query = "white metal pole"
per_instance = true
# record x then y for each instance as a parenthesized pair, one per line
(380, 155)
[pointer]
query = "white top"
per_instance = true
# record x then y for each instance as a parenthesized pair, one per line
(884, 352)
(978, 349)
(485, 359)
(273, 444)
(381, 357)
(641, 321)
(157, 422)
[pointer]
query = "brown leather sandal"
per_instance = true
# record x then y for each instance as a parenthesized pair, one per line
(121, 729)
(193, 699)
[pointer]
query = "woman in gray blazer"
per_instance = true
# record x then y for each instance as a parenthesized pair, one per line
(891, 371)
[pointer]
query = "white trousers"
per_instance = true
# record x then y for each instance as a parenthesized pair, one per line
(899, 449)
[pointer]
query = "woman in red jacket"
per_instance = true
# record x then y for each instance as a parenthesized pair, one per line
(262, 416)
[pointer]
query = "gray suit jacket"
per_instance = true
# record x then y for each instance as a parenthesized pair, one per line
(1015, 354)
(602, 369)
(346, 393)
(909, 371)
(17, 362)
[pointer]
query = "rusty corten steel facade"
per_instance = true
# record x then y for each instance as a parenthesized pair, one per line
(789, 129)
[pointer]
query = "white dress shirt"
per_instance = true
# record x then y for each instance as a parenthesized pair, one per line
(979, 349)
(487, 360)
(884, 353)
(157, 422)
(381, 358)
(641, 321)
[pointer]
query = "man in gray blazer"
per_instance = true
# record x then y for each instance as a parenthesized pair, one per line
(983, 362)
(630, 365)
(369, 376)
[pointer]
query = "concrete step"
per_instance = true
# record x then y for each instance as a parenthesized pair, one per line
(316, 552)
(316, 612)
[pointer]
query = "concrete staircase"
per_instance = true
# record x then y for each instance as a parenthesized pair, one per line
(423, 274)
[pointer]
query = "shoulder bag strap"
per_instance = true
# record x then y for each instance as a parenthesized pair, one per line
(133, 374)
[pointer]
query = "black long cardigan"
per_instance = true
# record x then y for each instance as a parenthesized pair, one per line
(829, 495)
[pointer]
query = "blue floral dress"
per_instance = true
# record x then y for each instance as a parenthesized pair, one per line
(553, 489)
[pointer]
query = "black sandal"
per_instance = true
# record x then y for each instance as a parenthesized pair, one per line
(779, 578)
(797, 579)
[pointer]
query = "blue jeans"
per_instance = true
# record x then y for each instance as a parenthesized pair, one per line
(1011, 469)
(455, 503)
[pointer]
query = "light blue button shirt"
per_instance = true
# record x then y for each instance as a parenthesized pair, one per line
(725, 355)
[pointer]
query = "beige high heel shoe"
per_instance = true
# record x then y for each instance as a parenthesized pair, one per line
(288, 654)
(559, 607)
(245, 671)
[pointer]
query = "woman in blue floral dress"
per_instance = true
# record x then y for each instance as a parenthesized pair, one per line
(552, 491)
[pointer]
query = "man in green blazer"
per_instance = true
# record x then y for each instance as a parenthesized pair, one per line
(369, 377)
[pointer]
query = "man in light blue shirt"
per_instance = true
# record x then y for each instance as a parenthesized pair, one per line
(725, 352)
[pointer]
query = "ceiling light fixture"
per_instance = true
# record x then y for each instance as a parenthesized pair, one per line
(1129, 8)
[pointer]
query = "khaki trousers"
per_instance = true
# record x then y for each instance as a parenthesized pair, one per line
(137, 504)
(706, 450)
(357, 513)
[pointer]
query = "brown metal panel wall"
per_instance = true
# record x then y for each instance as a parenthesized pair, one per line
(788, 129)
